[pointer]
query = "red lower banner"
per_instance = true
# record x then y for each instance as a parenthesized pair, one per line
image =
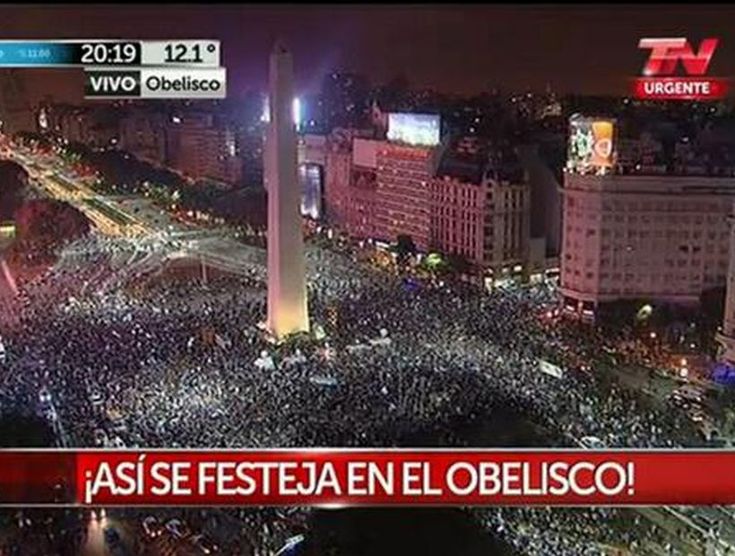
(680, 88)
(328, 477)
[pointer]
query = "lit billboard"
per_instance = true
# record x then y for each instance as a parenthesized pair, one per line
(591, 145)
(414, 129)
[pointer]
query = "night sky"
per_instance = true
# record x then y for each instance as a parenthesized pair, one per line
(458, 49)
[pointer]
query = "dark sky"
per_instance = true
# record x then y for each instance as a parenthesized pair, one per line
(463, 49)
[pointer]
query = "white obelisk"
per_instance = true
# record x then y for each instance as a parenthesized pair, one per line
(287, 305)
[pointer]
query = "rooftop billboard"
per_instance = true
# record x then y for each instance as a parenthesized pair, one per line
(591, 145)
(414, 129)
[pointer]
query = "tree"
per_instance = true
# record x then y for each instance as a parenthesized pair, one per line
(46, 223)
(13, 182)
(458, 264)
(405, 249)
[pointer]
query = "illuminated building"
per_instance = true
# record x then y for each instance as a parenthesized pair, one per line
(201, 149)
(406, 165)
(456, 200)
(727, 337)
(287, 305)
(403, 195)
(93, 126)
(482, 212)
(351, 183)
(659, 236)
(144, 134)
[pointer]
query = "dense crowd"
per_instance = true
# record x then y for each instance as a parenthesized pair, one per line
(181, 361)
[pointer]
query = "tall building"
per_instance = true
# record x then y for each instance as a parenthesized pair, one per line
(546, 210)
(144, 133)
(287, 304)
(455, 200)
(481, 211)
(651, 234)
(350, 184)
(202, 149)
(96, 127)
(403, 196)
(337, 182)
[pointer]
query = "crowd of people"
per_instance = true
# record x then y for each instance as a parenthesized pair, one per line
(401, 362)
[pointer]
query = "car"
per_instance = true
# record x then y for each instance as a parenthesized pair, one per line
(178, 528)
(203, 544)
(152, 527)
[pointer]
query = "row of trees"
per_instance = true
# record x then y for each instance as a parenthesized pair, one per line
(41, 225)
(13, 185)
(451, 264)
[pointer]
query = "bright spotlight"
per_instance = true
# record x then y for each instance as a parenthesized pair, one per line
(265, 116)
(296, 108)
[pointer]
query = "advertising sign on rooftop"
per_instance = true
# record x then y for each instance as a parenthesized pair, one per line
(591, 145)
(414, 129)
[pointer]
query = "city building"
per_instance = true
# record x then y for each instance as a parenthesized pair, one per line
(312, 155)
(96, 127)
(203, 150)
(640, 233)
(481, 211)
(351, 182)
(546, 211)
(403, 195)
(144, 134)
(461, 199)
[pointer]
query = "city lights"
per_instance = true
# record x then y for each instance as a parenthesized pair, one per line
(507, 246)
(296, 111)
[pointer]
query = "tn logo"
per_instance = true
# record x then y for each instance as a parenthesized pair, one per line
(665, 54)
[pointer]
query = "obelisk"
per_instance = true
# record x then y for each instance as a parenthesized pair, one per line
(287, 305)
